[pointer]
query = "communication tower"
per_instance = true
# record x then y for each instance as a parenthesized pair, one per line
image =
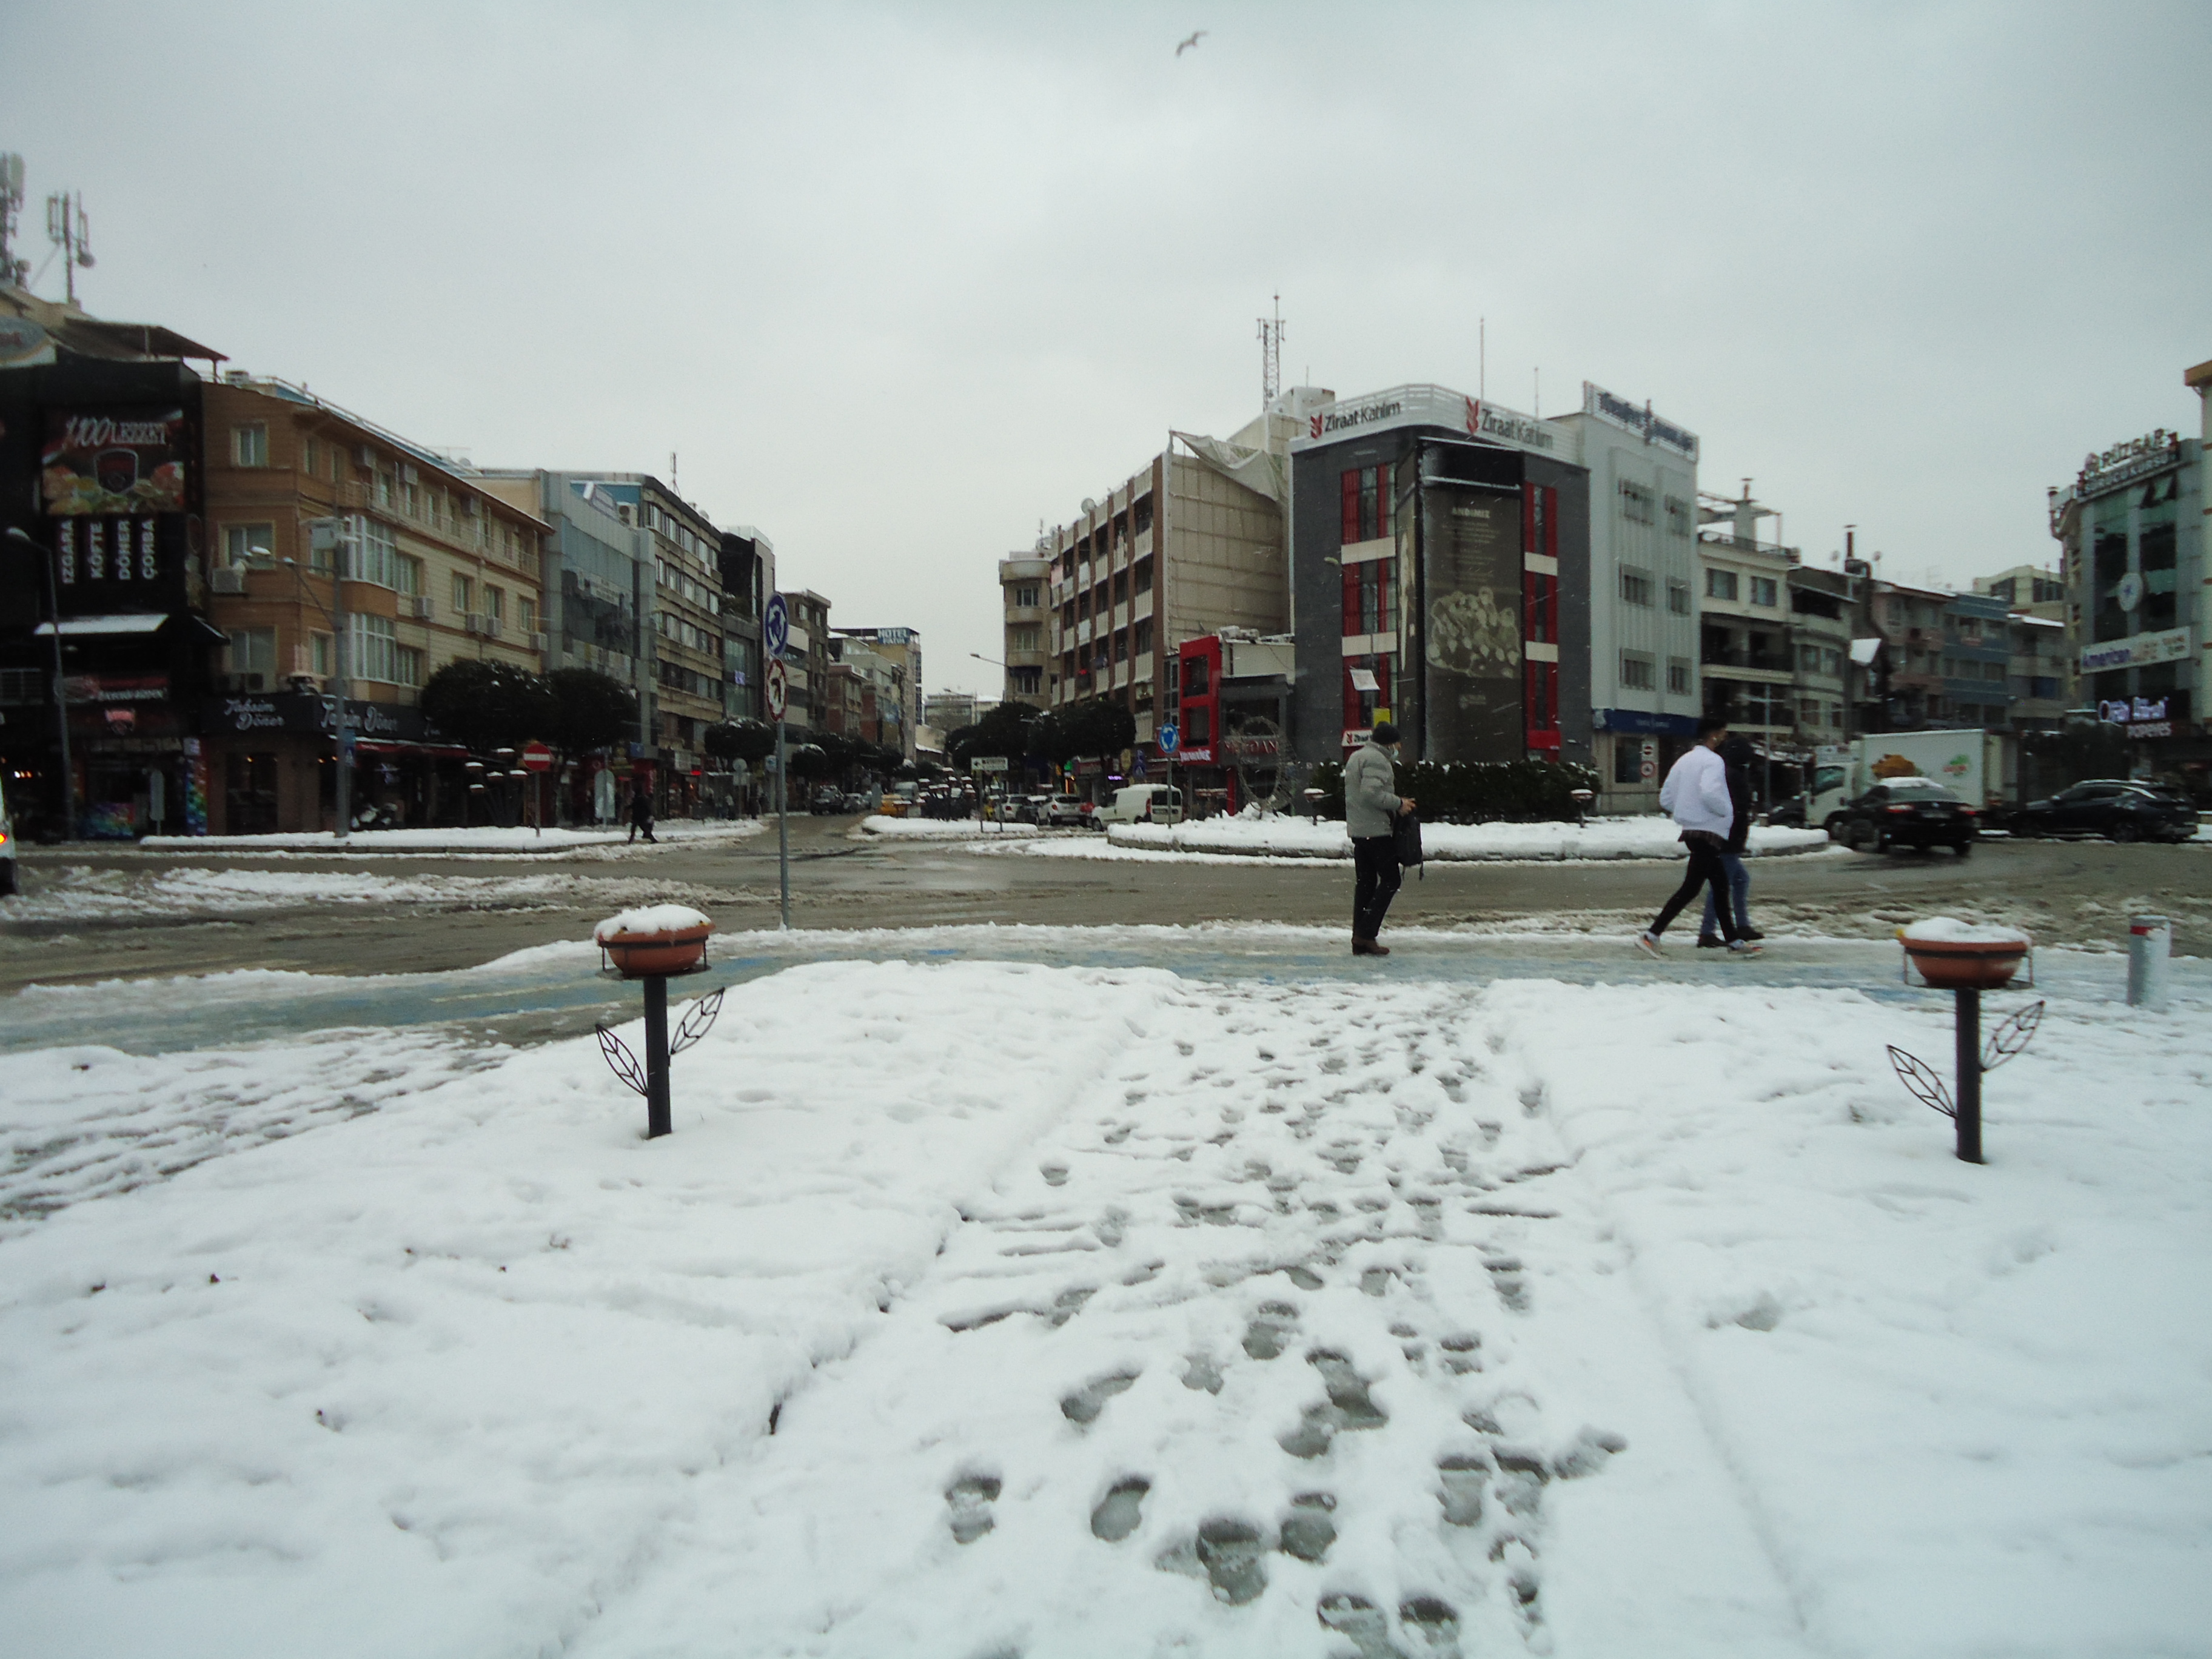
(1271, 354)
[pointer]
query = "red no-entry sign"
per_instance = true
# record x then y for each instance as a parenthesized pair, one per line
(537, 757)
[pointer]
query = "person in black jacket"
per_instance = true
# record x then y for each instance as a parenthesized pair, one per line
(1736, 756)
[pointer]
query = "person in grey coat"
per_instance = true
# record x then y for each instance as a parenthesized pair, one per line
(1370, 802)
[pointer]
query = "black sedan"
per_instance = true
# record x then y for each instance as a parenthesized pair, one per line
(1906, 812)
(2118, 807)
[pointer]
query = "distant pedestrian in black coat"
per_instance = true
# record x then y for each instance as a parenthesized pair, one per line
(640, 814)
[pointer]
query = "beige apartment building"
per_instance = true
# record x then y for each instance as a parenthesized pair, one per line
(1190, 545)
(439, 569)
(1025, 649)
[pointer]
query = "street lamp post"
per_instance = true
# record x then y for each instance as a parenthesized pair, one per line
(61, 693)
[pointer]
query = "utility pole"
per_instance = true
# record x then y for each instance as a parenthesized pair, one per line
(47, 557)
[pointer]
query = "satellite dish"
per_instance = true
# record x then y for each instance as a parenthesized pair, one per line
(1089, 506)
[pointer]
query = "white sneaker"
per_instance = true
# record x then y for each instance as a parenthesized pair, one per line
(1743, 947)
(1648, 944)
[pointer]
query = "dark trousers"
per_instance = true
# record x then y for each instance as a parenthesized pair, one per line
(1706, 870)
(1376, 859)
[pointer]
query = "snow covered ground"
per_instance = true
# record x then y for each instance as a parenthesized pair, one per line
(945, 829)
(980, 1309)
(1645, 837)
(483, 839)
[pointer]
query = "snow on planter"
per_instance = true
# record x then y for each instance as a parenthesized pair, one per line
(1950, 930)
(649, 919)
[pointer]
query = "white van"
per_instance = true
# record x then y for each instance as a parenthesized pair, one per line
(1145, 803)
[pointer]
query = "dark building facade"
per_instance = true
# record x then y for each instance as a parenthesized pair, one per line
(102, 448)
(1441, 581)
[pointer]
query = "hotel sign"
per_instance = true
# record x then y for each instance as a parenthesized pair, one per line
(2138, 651)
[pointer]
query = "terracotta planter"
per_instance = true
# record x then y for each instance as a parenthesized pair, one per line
(1965, 965)
(671, 951)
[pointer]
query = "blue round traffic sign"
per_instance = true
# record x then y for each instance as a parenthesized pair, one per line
(1168, 739)
(775, 625)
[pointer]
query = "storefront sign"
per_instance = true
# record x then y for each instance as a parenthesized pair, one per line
(2122, 711)
(1652, 429)
(1637, 719)
(2138, 651)
(99, 462)
(1252, 748)
(2150, 729)
(1428, 405)
(2124, 462)
(116, 688)
(305, 712)
(1201, 756)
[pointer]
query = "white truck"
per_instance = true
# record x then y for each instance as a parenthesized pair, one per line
(1973, 764)
(1145, 803)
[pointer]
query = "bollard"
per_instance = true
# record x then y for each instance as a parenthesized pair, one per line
(2150, 955)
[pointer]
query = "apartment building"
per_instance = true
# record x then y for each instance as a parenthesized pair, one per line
(806, 663)
(598, 575)
(748, 577)
(1822, 611)
(1026, 647)
(1746, 655)
(436, 568)
(1189, 544)
(899, 649)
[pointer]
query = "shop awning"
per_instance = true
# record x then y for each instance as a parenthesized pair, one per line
(136, 623)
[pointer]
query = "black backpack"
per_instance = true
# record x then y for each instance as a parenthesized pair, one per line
(1406, 831)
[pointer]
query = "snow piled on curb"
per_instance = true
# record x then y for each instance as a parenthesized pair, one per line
(482, 839)
(1646, 837)
(975, 1307)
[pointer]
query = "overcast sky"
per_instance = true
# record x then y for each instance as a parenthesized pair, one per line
(896, 283)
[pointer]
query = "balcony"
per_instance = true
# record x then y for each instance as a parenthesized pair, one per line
(1083, 632)
(1755, 662)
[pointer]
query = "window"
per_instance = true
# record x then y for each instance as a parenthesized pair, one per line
(251, 658)
(374, 558)
(1637, 505)
(322, 657)
(240, 542)
(495, 604)
(463, 592)
(1678, 598)
(1635, 587)
(370, 649)
(1678, 675)
(249, 445)
(1627, 760)
(384, 491)
(1194, 674)
(1808, 659)
(1635, 670)
(1678, 517)
(1762, 591)
(1141, 637)
(1025, 598)
(1366, 503)
(526, 615)
(307, 458)
(1720, 585)
(406, 666)
(407, 576)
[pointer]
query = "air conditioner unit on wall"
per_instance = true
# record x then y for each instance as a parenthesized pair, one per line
(363, 456)
(419, 606)
(541, 641)
(228, 580)
(408, 473)
(474, 622)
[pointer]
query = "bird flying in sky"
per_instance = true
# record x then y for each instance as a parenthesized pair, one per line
(1185, 46)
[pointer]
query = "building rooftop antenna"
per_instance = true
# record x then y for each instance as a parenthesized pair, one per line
(67, 229)
(13, 271)
(1271, 354)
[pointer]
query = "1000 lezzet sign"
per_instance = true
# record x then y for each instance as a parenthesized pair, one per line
(96, 464)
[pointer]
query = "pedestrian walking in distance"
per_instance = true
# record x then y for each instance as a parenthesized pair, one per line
(1696, 795)
(1735, 755)
(640, 814)
(1372, 803)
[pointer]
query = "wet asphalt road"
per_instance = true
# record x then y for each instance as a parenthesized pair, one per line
(2064, 891)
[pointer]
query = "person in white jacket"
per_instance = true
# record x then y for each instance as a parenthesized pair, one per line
(1696, 796)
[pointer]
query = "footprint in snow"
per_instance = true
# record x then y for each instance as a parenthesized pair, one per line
(1119, 1512)
(970, 1498)
(1082, 1407)
(1308, 1531)
(1264, 1333)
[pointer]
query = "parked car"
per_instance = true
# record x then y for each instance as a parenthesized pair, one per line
(2122, 808)
(828, 798)
(8, 887)
(854, 802)
(1916, 812)
(1146, 803)
(1067, 812)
